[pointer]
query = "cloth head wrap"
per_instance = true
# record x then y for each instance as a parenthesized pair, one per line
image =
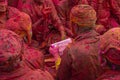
(110, 46)
(10, 47)
(83, 15)
(20, 24)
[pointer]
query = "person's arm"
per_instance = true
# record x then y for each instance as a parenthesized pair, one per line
(55, 52)
(64, 70)
(56, 20)
(61, 9)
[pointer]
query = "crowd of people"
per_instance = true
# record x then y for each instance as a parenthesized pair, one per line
(29, 27)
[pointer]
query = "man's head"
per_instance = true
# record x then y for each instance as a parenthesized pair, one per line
(83, 16)
(10, 50)
(110, 46)
(21, 25)
(3, 5)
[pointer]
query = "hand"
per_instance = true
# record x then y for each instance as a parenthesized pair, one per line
(46, 10)
(54, 51)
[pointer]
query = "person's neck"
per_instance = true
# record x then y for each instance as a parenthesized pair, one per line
(82, 30)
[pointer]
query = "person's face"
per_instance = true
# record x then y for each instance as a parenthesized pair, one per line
(3, 5)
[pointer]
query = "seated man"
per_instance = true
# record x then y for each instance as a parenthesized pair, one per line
(110, 54)
(7, 12)
(12, 66)
(21, 25)
(80, 59)
(45, 21)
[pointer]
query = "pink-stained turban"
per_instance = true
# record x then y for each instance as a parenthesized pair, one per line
(21, 25)
(10, 48)
(83, 15)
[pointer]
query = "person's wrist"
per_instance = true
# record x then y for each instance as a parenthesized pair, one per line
(56, 56)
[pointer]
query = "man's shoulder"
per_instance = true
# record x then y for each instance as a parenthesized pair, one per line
(82, 47)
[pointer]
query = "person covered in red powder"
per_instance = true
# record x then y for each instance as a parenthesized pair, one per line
(80, 59)
(110, 54)
(12, 66)
(63, 8)
(45, 21)
(21, 25)
(12, 15)
(6, 12)
(33, 58)
(108, 13)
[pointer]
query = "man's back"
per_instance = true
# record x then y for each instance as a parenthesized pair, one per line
(82, 59)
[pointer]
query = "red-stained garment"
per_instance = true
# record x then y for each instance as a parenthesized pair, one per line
(12, 65)
(110, 75)
(25, 73)
(41, 26)
(80, 59)
(33, 58)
